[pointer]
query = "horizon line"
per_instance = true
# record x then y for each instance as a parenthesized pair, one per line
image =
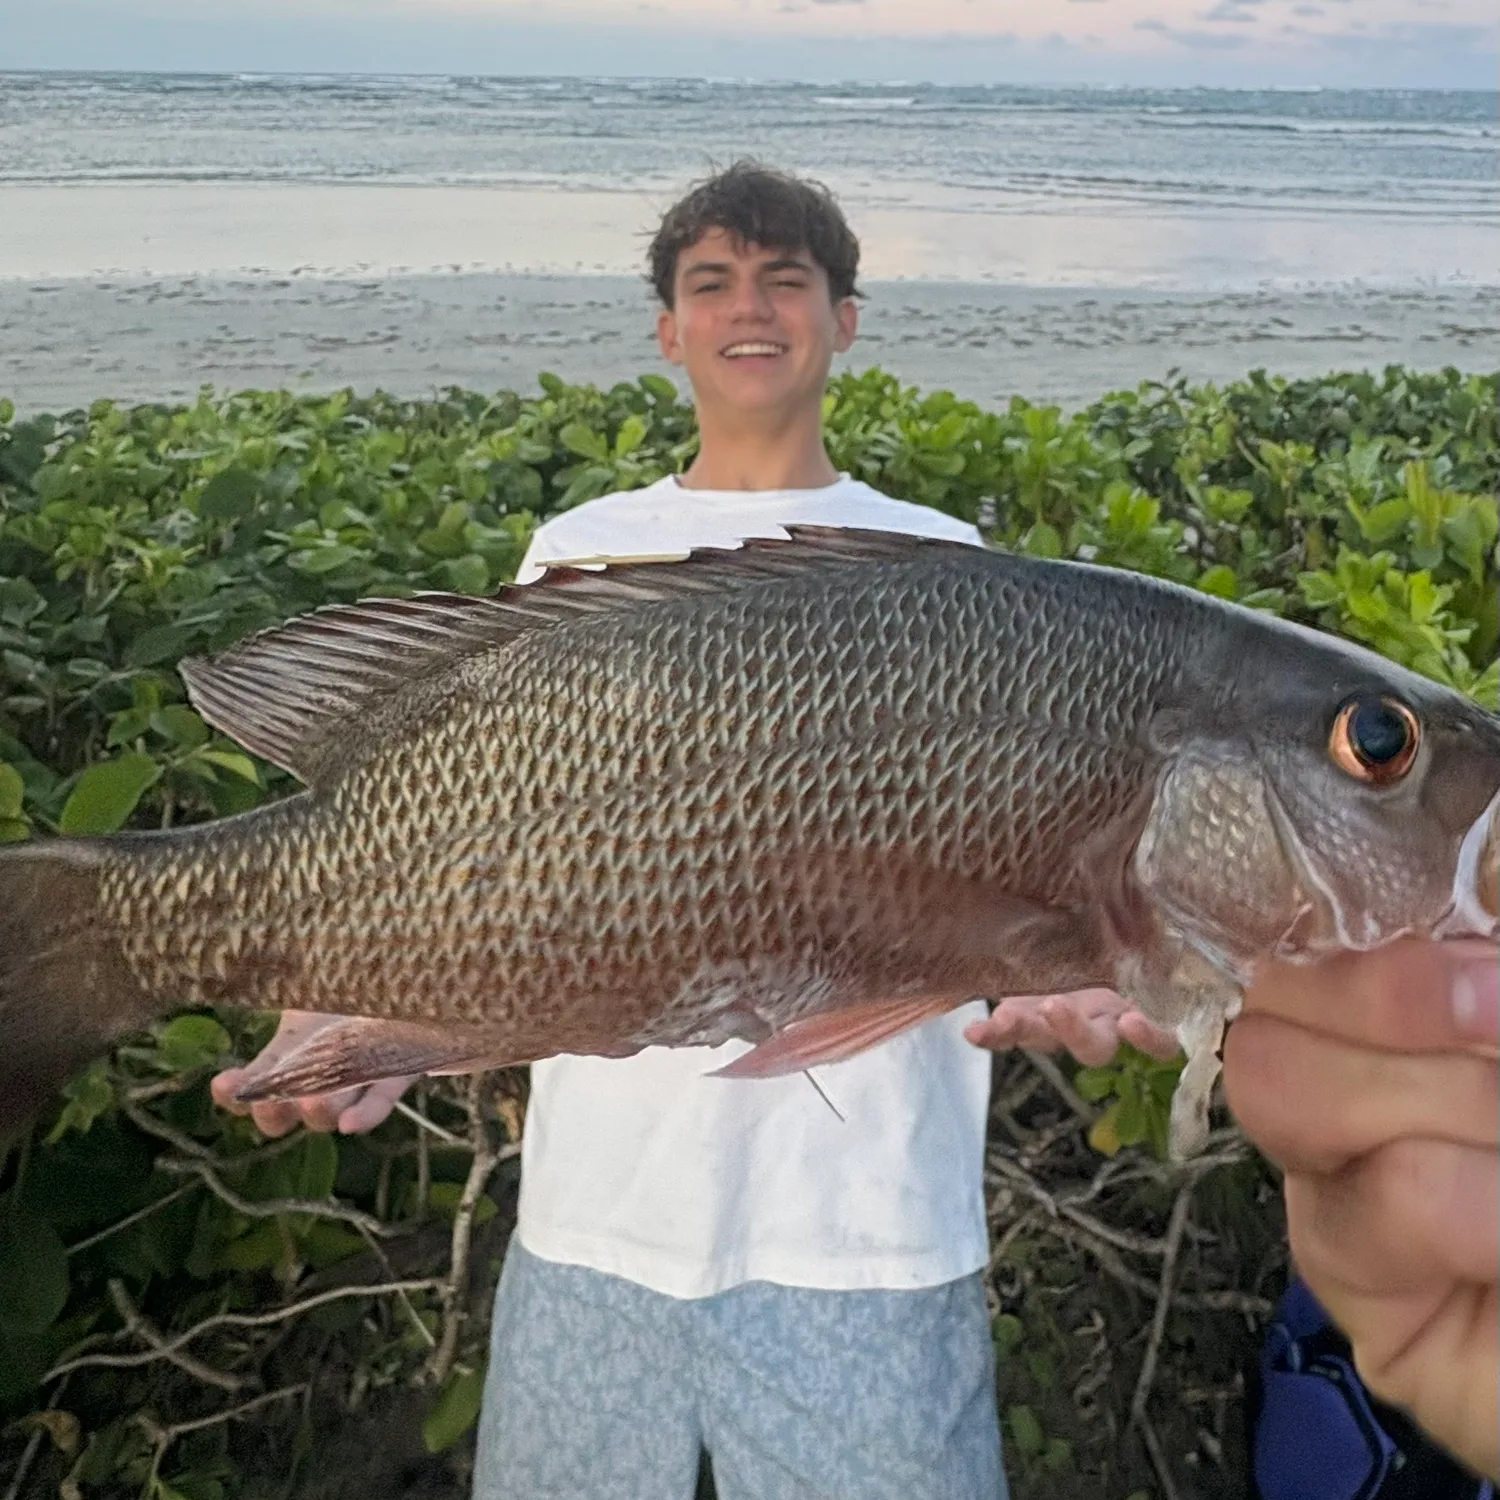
(759, 81)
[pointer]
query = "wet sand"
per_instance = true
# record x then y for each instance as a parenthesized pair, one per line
(67, 341)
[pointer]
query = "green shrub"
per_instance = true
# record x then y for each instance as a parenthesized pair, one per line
(130, 537)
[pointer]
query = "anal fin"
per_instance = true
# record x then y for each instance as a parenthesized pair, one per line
(834, 1036)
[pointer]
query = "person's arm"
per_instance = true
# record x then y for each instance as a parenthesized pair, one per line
(348, 1111)
(1373, 1081)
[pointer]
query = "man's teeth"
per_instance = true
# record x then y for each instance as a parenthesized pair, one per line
(735, 350)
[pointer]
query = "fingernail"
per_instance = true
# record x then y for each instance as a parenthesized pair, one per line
(1476, 999)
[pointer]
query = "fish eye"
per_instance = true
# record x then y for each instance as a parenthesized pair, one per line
(1375, 740)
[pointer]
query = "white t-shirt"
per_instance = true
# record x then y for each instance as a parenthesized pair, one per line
(646, 1168)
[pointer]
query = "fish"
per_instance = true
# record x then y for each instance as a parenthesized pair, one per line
(804, 793)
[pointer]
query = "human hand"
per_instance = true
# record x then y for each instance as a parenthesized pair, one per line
(1373, 1081)
(1091, 1024)
(349, 1111)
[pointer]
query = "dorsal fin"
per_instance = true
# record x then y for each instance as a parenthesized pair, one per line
(285, 692)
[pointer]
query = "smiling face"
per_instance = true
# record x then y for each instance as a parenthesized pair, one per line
(755, 328)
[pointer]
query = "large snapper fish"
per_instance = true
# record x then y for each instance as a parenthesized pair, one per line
(807, 793)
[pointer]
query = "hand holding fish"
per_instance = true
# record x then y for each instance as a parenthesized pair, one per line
(350, 1111)
(1373, 1080)
(1090, 1024)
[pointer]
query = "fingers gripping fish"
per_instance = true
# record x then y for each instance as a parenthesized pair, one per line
(806, 793)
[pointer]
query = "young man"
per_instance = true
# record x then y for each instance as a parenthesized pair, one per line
(736, 1266)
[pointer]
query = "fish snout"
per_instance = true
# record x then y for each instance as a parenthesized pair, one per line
(1487, 877)
(1476, 882)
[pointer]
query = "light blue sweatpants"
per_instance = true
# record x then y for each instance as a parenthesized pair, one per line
(599, 1389)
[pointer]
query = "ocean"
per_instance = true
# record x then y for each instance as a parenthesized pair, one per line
(1068, 186)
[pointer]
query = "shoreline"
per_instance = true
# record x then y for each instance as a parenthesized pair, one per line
(65, 342)
(908, 228)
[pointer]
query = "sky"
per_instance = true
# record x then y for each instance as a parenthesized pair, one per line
(1250, 43)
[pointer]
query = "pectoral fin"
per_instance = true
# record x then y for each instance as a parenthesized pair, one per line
(354, 1050)
(833, 1037)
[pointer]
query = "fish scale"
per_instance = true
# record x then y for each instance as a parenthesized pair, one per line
(594, 806)
(804, 793)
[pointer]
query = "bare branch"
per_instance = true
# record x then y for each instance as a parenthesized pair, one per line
(170, 1346)
(423, 1331)
(28, 1456)
(486, 1158)
(1158, 1460)
(1175, 1226)
(141, 1327)
(129, 1219)
(1064, 1090)
(431, 1126)
(269, 1208)
(164, 1436)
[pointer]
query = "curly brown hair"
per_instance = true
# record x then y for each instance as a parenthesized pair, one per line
(758, 205)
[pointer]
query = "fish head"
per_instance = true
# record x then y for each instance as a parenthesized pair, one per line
(1396, 824)
(1362, 801)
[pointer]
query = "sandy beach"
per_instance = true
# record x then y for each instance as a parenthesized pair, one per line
(67, 341)
(162, 233)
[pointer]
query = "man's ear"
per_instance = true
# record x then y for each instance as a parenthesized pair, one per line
(846, 324)
(666, 336)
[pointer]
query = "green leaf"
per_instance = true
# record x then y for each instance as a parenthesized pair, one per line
(257, 1250)
(12, 791)
(1131, 1124)
(192, 1042)
(1058, 1455)
(229, 495)
(1025, 1431)
(314, 1166)
(659, 387)
(89, 1095)
(1009, 1333)
(466, 575)
(234, 762)
(444, 1196)
(158, 644)
(107, 793)
(454, 1412)
(1042, 540)
(1094, 1084)
(181, 725)
(320, 560)
(1221, 581)
(631, 435)
(33, 1273)
(1104, 1133)
(584, 441)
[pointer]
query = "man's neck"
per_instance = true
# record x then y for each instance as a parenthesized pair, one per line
(736, 456)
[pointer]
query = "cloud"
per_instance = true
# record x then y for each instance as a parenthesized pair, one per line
(1308, 10)
(1228, 10)
(1195, 41)
(697, 38)
(1411, 37)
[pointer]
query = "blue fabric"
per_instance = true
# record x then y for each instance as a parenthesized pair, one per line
(1318, 1433)
(600, 1389)
(1317, 1437)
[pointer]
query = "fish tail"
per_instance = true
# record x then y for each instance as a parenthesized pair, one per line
(65, 989)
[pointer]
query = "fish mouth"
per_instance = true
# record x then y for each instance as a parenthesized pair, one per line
(1476, 881)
